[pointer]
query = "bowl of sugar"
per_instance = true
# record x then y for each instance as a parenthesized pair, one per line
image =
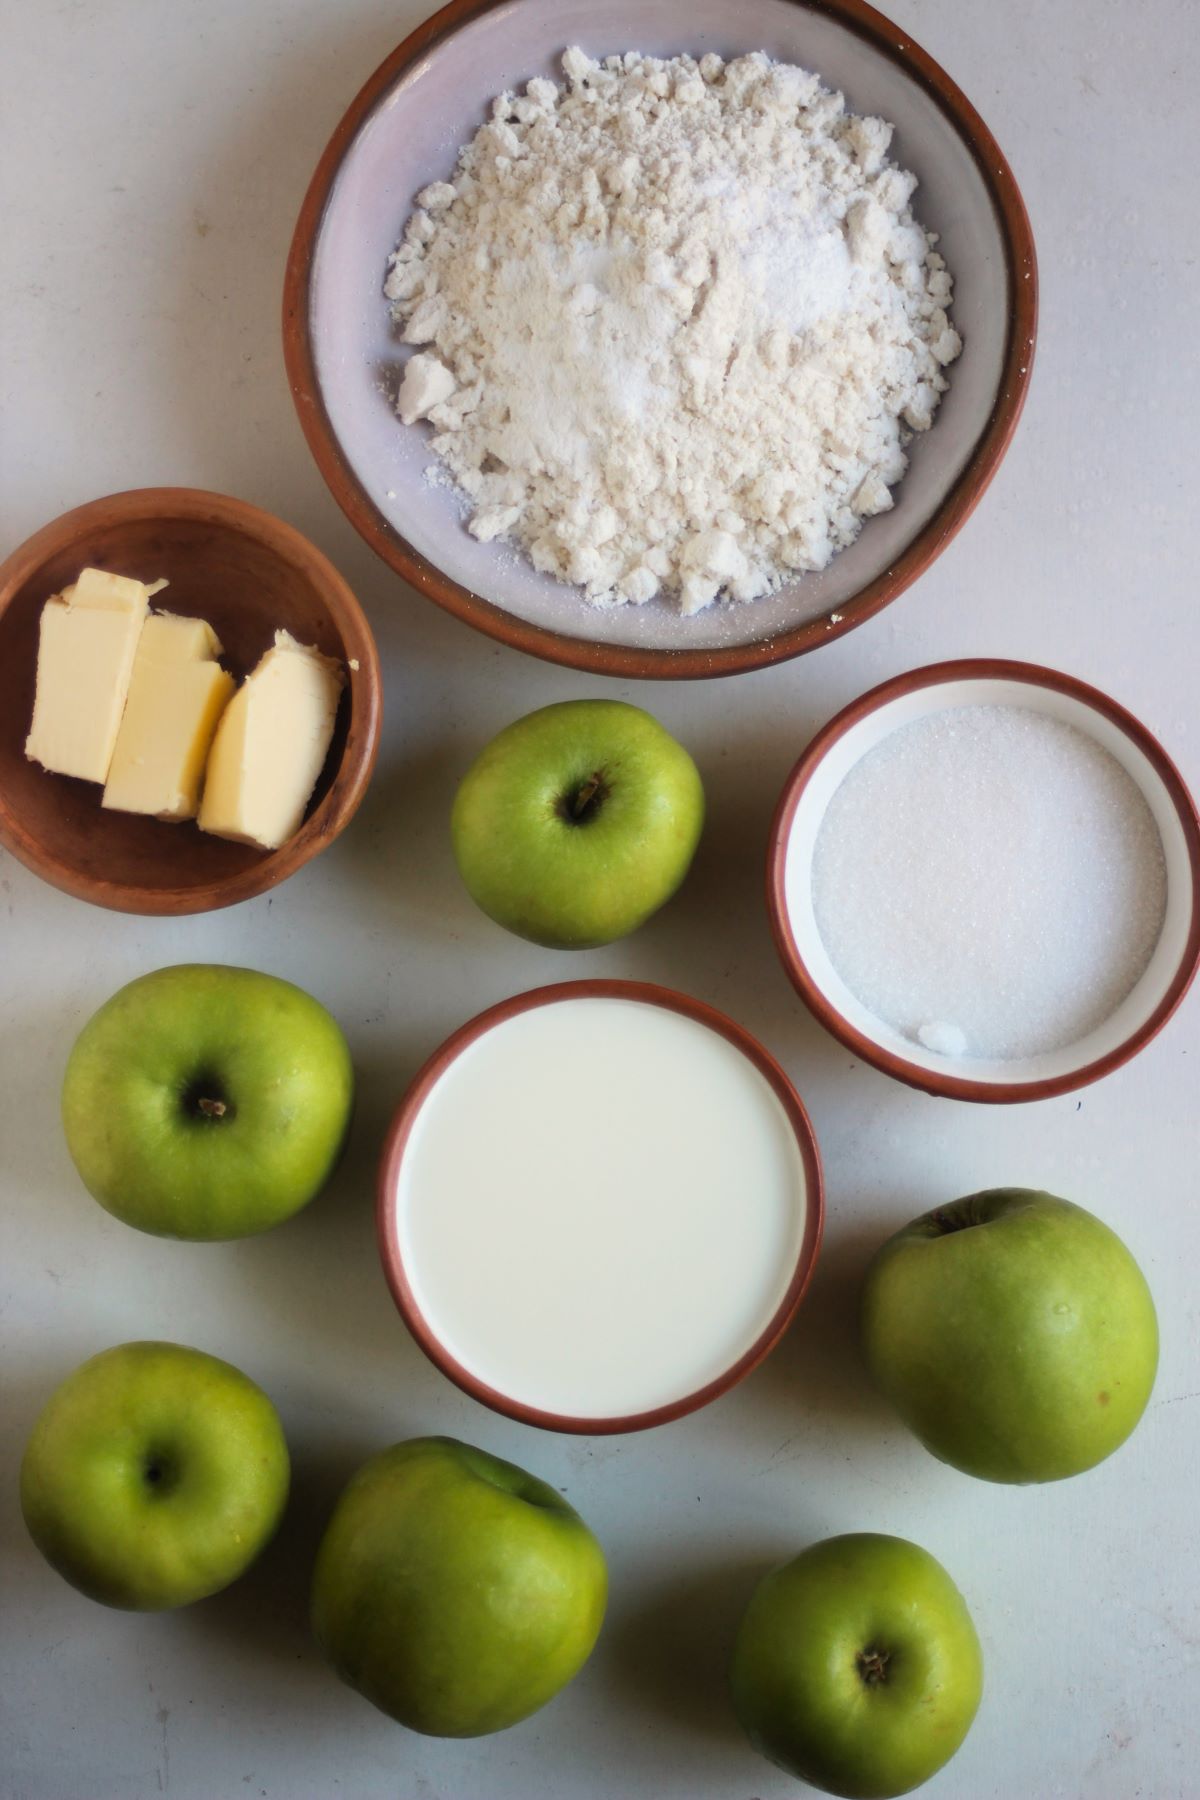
(660, 339)
(599, 1206)
(984, 879)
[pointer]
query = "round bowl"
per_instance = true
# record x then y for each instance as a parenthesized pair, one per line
(769, 1269)
(404, 130)
(920, 694)
(248, 574)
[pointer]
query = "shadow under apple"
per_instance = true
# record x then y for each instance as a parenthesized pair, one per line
(717, 923)
(266, 1612)
(818, 1368)
(400, 845)
(668, 1654)
(319, 1274)
(34, 1160)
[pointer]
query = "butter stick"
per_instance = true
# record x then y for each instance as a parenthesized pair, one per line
(271, 745)
(87, 641)
(177, 694)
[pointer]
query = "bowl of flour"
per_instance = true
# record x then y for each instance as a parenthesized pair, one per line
(984, 879)
(654, 343)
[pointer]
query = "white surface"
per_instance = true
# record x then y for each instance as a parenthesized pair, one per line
(866, 735)
(154, 161)
(651, 1242)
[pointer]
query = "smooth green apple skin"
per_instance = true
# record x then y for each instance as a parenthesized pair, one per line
(802, 1662)
(1013, 1332)
(455, 1591)
(154, 1476)
(263, 1048)
(573, 885)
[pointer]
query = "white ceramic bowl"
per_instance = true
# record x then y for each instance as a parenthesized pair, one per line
(866, 723)
(404, 130)
(454, 1224)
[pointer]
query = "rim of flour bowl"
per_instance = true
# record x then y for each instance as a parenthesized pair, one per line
(946, 1084)
(404, 1119)
(948, 519)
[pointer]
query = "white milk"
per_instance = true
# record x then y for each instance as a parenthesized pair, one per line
(600, 1207)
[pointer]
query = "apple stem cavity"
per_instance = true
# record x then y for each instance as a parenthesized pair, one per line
(872, 1666)
(203, 1101)
(158, 1474)
(960, 1216)
(584, 802)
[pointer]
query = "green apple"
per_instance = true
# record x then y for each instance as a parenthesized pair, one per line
(154, 1476)
(453, 1590)
(1013, 1332)
(857, 1666)
(207, 1102)
(577, 823)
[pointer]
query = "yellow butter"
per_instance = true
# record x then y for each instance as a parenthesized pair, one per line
(86, 645)
(176, 697)
(271, 745)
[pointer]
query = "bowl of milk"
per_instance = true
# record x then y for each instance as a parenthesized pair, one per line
(983, 879)
(599, 1206)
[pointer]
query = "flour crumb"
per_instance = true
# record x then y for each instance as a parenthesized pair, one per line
(426, 383)
(675, 325)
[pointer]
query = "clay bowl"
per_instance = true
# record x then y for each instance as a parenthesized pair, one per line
(867, 722)
(637, 1326)
(403, 130)
(248, 574)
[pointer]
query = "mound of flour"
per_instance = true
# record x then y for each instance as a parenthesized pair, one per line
(676, 325)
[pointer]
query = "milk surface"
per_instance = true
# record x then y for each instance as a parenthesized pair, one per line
(600, 1207)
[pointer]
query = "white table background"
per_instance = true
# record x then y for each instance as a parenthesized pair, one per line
(153, 162)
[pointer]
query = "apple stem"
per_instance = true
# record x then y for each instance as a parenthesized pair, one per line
(872, 1666)
(583, 796)
(212, 1109)
(947, 1221)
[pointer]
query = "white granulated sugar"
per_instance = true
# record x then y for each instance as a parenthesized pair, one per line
(990, 882)
(675, 325)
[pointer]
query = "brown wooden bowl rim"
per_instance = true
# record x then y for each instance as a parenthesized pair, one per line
(626, 660)
(339, 804)
(405, 1117)
(953, 1087)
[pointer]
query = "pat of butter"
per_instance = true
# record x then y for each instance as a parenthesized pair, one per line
(176, 697)
(88, 637)
(271, 745)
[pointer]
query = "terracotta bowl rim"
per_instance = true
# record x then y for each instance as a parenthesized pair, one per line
(956, 507)
(339, 804)
(400, 1129)
(948, 1086)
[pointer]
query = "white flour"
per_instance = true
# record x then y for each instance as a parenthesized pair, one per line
(677, 324)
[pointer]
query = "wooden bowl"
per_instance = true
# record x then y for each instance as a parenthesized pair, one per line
(865, 723)
(404, 129)
(792, 1275)
(248, 574)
